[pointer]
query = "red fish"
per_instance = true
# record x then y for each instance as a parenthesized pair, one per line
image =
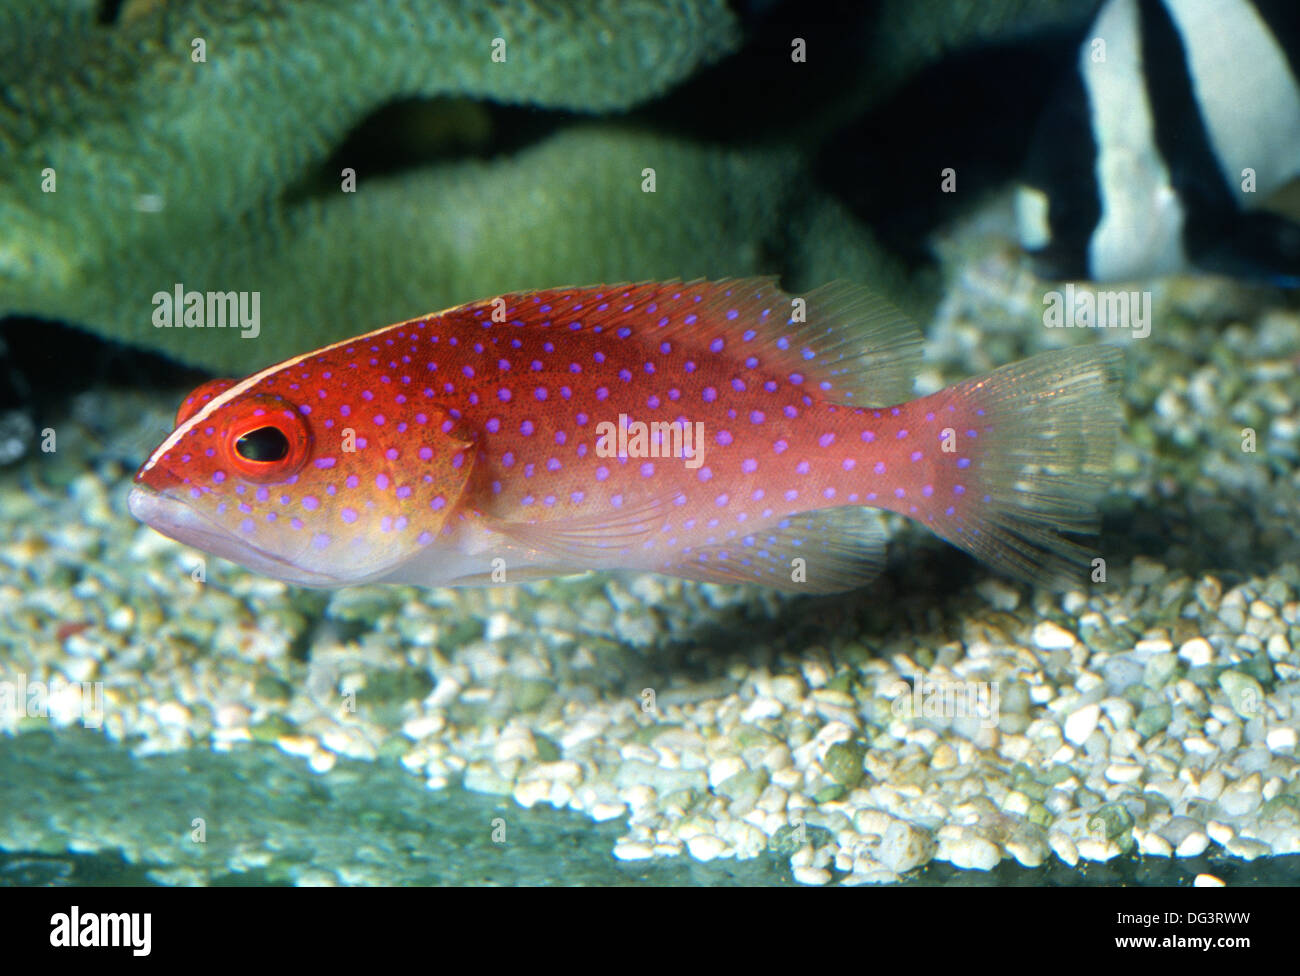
(721, 431)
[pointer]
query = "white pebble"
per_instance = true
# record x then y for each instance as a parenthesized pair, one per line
(812, 876)
(1247, 848)
(1193, 845)
(606, 811)
(173, 714)
(1063, 847)
(531, 792)
(1220, 833)
(1281, 740)
(1092, 849)
(1124, 772)
(1207, 881)
(1082, 723)
(1149, 842)
(970, 850)
(631, 850)
(721, 770)
(1153, 645)
(1050, 637)
(705, 847)
(760, 708)
(1197, 652)
(297, 745)
(905, 846)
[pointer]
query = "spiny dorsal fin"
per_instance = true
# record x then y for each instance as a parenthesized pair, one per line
(853, 348)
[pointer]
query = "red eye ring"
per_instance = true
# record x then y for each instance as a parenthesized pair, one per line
(256, 426)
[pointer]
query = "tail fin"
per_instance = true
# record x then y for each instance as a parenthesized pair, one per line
(1037, 440)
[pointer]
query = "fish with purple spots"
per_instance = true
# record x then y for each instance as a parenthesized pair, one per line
(720, 431)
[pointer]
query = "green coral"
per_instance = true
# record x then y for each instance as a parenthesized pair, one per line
(570, 210)
(159, 156)
(224, 174)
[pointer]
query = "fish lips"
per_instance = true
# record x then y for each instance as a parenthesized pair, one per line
(180, 521)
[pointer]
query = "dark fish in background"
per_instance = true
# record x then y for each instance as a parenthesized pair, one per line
(1172, 145)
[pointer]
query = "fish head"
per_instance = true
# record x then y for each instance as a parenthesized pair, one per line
(255, 473)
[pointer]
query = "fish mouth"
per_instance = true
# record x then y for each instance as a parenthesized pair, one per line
(177, 520)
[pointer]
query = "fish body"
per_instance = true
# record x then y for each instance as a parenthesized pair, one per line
(1172, 145)
(515, 438)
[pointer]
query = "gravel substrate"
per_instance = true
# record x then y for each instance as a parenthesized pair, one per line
(1156, 712)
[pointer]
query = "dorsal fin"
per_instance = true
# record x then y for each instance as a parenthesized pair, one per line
(853, 348)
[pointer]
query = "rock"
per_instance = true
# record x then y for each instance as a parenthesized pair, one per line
(1051, 637)
(970, 850)
(1242, 797)
(1153, 719)
(705, 847)
(1281, 740)
(905, 846)
(843, 763)
(1081, 723)
(1197, 652)
(744, 788)
(1064, 847)
(812, 876)
(1245, 696)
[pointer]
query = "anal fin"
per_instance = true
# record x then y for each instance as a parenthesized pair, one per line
(829, 550)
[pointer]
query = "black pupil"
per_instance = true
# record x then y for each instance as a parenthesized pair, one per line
(263, 444)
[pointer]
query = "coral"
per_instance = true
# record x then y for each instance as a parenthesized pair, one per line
(213, 174)
(155, 153)
(570, 209)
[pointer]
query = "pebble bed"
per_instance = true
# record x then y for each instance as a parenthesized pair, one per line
(1155, 712)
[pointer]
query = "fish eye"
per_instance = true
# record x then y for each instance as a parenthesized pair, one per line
(265, 444)
(264, 438)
